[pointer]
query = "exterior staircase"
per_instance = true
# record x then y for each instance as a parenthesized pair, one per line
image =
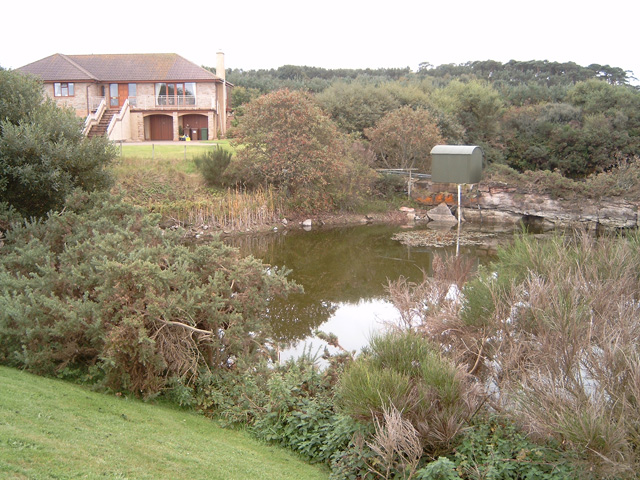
(101, 128)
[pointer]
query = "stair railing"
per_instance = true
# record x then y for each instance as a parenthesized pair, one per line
(94, 117)
(119, 119)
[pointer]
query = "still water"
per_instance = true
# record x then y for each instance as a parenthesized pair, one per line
(344, 272)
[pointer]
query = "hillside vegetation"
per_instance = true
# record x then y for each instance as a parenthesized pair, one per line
(529, 115)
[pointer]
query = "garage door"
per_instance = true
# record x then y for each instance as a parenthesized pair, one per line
(193, 125)
(161, 127)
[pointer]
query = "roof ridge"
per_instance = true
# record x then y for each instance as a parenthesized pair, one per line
(78, 66)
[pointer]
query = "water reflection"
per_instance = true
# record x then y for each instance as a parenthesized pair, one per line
(344, 272)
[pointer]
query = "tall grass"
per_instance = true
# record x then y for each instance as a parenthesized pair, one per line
(239, 210)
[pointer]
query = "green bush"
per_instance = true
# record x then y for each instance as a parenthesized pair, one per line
(101, 291)
(499, 451)
(289, 404)
(353, 462)
(405, 371)
(441, 469)
(212, 165)
(44, 155)
(388, 186)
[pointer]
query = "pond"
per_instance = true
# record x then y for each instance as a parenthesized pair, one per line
(344, 272)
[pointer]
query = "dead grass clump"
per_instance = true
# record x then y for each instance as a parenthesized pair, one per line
(397, 445)
(184, 198)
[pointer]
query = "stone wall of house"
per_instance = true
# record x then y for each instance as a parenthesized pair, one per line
(207, 89)
(78, 102)
(137, 126)
(145, 89)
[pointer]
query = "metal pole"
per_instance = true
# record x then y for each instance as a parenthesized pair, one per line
(459, 216)
(459, 204)
(153, 150)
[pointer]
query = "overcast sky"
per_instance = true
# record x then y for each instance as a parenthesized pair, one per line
(330, 33)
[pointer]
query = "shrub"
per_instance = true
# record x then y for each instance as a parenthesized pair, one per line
(497, 450)
(387, 186)
(100, 289)
(289, 404)
(404, 138)
(43, 154)
(621, 179)
(552, 328)
(356, 106)
(288, 142)
(212, 165)
(403, 370)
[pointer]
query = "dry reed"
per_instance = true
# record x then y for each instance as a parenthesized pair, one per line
(396, 444)
(239, 210)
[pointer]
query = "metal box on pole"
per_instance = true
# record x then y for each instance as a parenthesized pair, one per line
(456, 164)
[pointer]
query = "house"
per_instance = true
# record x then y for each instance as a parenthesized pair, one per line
(137, 97)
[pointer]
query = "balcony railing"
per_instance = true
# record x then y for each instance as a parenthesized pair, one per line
(164, 102)
(169, 102)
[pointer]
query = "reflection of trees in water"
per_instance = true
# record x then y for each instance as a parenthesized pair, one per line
(297, 316)
(259, 245)
(342, 265)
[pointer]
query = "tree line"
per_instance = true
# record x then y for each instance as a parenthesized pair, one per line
(528, 115)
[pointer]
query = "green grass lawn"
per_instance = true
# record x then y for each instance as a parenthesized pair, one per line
(52, 429)
(163, 151)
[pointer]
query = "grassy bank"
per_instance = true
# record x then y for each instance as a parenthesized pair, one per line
(52, 429)
(170, 184)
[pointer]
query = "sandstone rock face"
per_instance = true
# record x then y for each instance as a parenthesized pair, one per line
(499, 206)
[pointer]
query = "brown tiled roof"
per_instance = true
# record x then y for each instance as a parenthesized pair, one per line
(154, 67)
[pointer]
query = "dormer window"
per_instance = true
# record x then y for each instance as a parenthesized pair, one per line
(63, 89)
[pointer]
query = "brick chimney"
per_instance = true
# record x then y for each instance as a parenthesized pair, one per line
(220, 65)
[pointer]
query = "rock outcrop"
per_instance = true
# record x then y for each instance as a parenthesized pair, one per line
(504, 206)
